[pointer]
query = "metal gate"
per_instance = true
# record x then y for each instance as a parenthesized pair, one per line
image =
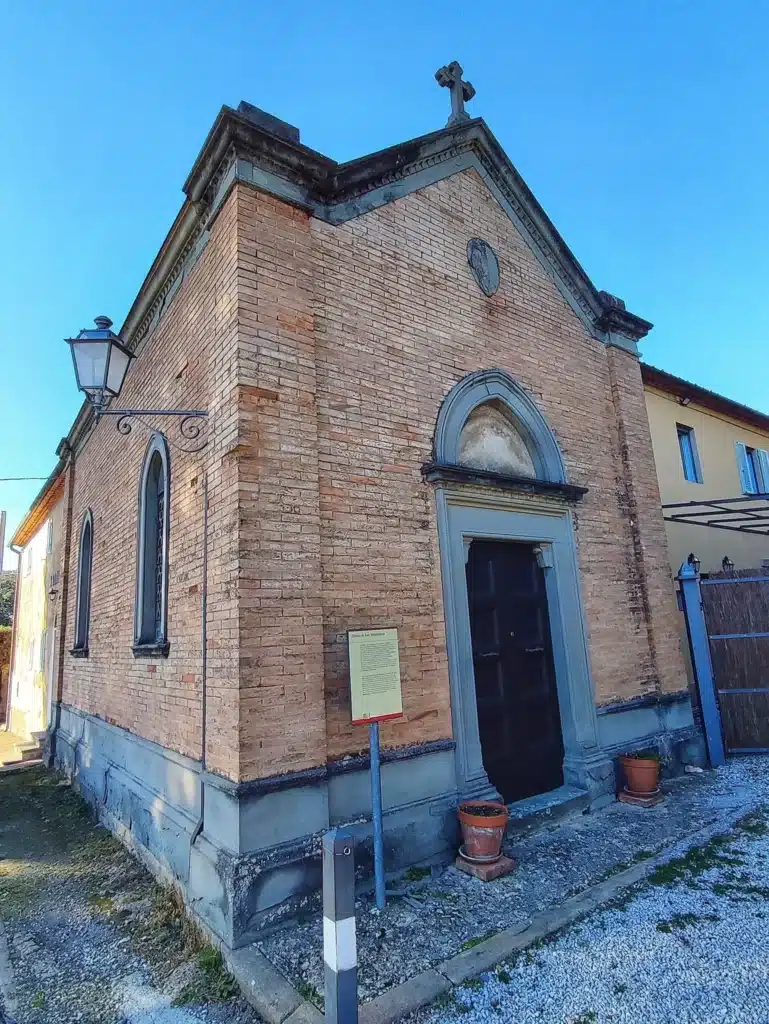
(727, 619)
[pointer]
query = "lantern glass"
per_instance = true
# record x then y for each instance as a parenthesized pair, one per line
(118, 364)
(101, 362)
(90, 363)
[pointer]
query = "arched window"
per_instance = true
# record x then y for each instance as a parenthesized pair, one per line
(150, 633)
(83, 597)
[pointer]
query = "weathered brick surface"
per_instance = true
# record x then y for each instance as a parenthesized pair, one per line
(402, 321)
(188, 361)
(283, 724)
(324, 353)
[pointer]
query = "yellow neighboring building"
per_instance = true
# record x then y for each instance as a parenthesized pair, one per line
(706, 448)
(34, 653)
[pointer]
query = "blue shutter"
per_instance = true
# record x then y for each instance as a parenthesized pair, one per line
(745, 468)
(688, 457)
(763, 470)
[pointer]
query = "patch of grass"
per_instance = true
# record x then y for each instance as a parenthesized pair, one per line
(167, 923)
(740, 889)
(473, 983)
(754, 823)
(416, 874)
(444, 1000)
(471, 943)
(37, 1002)
(620, 988)
(463, 1007)
(103, 904)
(18, 887)
(642, 855)
(504, 976)
(623, 865)
(712, 854)
(680, 921)
(586, 1017)
(215, 984)
(622, 901)
(310, 993)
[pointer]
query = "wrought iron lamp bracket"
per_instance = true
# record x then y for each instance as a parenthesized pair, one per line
(192, 425)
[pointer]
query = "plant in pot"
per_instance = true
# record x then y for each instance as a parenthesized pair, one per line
(642, 772)
(483, 828)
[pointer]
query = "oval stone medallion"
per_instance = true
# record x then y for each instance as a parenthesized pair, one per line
(484, 265)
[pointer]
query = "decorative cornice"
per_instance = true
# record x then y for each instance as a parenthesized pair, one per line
(653, 700)
(246, 151)
(615, 319)
(437, 473)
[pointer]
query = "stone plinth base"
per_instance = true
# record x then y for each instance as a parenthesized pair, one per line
(486, 872)
(640, 801)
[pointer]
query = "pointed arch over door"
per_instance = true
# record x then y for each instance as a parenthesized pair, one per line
(504, 395)
(151, 615)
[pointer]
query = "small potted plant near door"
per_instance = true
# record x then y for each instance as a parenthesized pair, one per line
(483, 827)
(642, 772)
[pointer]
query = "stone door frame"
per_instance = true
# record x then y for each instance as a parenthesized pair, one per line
(465, 513)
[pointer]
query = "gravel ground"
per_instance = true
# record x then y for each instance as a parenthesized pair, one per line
(690, 945)
(85, 934)
(442, 915)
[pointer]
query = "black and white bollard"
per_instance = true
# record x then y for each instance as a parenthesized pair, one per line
(339, 946)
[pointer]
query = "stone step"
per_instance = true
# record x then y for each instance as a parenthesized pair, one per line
(28, 751)
(546, 808)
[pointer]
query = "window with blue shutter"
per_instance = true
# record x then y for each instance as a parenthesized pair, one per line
(689, 460)
(753, 464)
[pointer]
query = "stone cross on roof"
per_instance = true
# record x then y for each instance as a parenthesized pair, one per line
(461, 92)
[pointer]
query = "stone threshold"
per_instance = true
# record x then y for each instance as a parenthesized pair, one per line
(279, 1002)
(545, 808)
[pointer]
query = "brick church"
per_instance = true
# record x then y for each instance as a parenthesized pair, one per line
(422, 415)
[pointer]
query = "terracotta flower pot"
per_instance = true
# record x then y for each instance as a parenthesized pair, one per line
(642, 774)
(483, 827)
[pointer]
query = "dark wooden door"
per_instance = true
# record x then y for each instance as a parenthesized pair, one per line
(518, 716)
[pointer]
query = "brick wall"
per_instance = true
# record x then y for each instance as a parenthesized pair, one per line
(188, 361)
(324, 353)
(398, 321)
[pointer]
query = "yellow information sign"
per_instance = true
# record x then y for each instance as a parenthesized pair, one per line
(375, 675)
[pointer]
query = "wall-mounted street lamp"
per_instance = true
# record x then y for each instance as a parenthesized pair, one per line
(101, 361)
(694, 562)
(727, 564)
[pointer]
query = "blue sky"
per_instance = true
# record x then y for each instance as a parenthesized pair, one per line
(641, 128)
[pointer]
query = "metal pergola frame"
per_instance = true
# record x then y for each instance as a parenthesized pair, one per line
(723, 513)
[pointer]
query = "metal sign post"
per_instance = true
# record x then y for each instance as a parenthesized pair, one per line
(376, 808)
(375, 691)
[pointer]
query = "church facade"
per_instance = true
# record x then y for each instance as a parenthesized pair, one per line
(422, 415)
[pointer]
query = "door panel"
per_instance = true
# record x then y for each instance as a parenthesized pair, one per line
(518, 716)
